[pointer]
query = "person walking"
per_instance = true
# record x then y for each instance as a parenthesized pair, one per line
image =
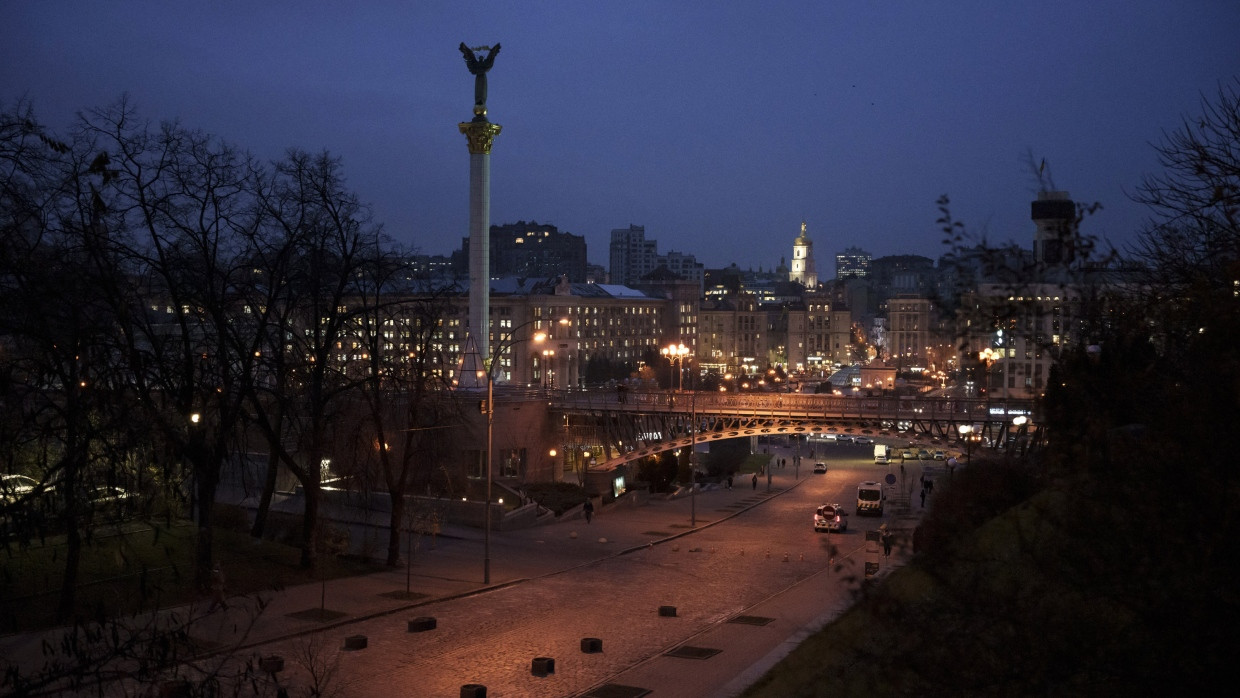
(886, 536)
(923, 498)
(217, 589)
(729, 481)
(588, 509)
(755, 481)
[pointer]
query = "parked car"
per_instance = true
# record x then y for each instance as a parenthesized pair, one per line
(923, 454)
(830, 517)
(111, 502)
(908, 454)
(844, 437)
(864, 440)
(14, 487)
(820, 467)
(940, 454)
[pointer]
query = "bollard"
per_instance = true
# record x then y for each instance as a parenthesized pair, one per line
(175, 689)
(591, 645)
(768, 555)
(473, 690)
(667, 611)
(422, 624)
(602, 540)
(541, 666)
(355, 642)
(785, 557)
(572, 534)
(802, 557)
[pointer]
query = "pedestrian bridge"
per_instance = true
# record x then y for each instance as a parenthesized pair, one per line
(636, 424)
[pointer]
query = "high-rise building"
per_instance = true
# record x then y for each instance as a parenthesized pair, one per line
(533, 250)
(631, 255)
(1054, 214)
(852, 263)
(802, 270)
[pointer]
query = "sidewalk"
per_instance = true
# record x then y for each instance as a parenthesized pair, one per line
(564, 563)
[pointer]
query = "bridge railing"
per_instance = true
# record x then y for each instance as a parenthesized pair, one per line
(797, 404)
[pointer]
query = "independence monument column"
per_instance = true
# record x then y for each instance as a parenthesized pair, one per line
(480, 133)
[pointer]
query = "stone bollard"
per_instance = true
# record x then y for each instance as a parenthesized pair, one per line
(422, 624)
(667, 611)
(271, 664)
(473, 690)
(175, 688)
(541, 666)
(591, 645)
(355, 642)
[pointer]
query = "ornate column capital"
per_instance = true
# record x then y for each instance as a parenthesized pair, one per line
(480, 135)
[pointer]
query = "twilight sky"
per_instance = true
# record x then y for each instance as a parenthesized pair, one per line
(717, 125)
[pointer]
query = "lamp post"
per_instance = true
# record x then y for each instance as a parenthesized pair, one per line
(675, 353)
(548, 356)
(970, 437)
(692, 453)
(507, 342)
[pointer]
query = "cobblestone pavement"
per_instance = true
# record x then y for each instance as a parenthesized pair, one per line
(551, 587)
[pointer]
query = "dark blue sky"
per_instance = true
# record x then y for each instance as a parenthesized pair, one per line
(717, 125)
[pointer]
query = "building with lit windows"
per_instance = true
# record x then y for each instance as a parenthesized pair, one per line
(852, 263)
(530, 250)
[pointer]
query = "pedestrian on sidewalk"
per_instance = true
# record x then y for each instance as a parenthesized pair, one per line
(588, 508)
(886, 536)
(217, 589)
(729, 481)
(755, 481)
(923, 499)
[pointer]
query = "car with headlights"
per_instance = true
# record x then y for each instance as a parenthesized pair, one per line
(940, 454)
(863, 440)
(908, 454)
(13, 487)
(820, 468)
(831, 518)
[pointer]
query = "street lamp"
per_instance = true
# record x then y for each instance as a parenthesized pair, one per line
(675, 353)
(970, 437)
(505, 343)
(548, 356)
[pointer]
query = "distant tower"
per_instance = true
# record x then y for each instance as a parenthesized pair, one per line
(1054, 214)
(480, 133)
(803, 261)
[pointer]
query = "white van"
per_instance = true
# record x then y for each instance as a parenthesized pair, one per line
(870, 498)
(881, 456)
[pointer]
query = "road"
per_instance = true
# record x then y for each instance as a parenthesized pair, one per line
(759, 557)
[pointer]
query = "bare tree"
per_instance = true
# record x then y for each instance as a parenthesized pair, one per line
(178, 209)
(406, 388)
(329, 233)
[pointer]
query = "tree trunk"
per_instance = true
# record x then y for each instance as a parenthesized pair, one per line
(394, 528)
(264, 501)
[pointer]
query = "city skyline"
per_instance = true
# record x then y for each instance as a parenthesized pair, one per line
(718, 129)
